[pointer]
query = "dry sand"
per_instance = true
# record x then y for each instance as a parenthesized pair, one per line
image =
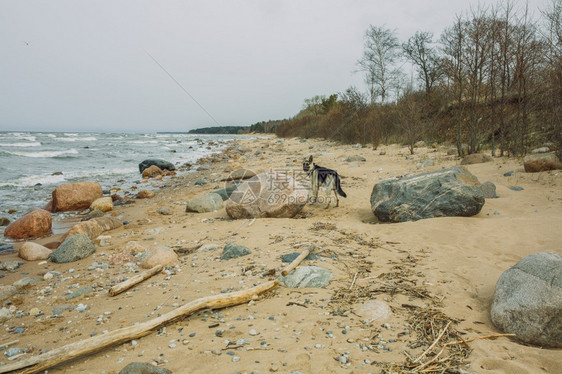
(447, 266)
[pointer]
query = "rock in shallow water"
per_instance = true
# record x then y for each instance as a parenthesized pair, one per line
(161, 164)
(33, 224)
(75, 196)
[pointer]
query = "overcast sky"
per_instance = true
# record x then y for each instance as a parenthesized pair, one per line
(87, 65)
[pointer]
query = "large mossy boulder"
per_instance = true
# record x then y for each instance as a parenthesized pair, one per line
(443, 193)
(528, 300)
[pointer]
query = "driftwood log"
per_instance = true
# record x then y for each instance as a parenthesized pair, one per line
(118, 288)
(297, 260)
(70, 351)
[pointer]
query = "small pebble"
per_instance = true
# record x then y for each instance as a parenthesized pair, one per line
(12, 352)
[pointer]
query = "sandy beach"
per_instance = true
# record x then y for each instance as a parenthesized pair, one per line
(428, 272)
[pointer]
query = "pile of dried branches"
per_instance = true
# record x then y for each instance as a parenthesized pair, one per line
(439, 347)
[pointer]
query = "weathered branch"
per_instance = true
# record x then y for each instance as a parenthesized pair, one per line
(70, 351)
(118, 288)
(297, 261)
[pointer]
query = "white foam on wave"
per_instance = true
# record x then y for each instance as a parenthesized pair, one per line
(45, 154)
(84, 139)
(24, 136)
(143, 141)
(32, 180)
(31, 144)
(96, 173)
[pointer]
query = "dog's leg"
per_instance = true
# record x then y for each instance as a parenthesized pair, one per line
(329, 186)
(336, 195)
(314, 188)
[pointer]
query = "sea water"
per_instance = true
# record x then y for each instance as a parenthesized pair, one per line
(32, 164)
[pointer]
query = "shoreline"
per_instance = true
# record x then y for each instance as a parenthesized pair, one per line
(453, 262)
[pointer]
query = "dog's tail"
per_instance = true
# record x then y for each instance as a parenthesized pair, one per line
(338, 187)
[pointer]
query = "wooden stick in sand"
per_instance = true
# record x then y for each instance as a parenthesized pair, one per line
(118, 288)
(297, 260)
(70, 351)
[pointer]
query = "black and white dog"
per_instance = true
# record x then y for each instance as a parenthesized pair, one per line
(321, 176)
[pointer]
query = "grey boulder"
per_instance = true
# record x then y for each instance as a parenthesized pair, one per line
(528, 300)
(308, 276)
(355, 158)
(267, 195)
(443, 193)
(226, 192)
(232, 250)
(210, 202)
(143, 368)
(489, 190)
(74, 248)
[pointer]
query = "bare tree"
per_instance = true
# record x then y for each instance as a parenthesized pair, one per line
(553, 74)
(494, 34)
(423, 55)
(476, 49)
(527, 57)
(505, 45)
(410, 109)
(380, 54)
(452, 40)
